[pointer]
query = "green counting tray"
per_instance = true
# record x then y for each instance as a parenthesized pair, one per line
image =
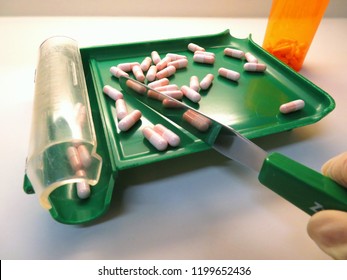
(250, 105)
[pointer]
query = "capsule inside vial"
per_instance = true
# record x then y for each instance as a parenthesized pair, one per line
(292, 106)
(155, 138)
(128, 121)
(74, 158)
(85, 156)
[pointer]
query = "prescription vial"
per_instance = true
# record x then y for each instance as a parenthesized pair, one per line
(291, 27)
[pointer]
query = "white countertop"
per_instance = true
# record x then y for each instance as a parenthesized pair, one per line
(208, 207)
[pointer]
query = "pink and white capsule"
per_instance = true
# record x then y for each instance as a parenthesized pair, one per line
(127, 66)
(151, 73)
(175, 56)
(229, 74)
(167, 87)
(234, 53)
(83, 188)
(121, 109)
(179, 63)
(138, 73)
(163, 63)
(74, 158)
(203, 58)
(146, 63)
(191, 94)
(194, 47)
(194, 83)
(206, 82)
(155, 57)
(117, 72)
(128, 121)
(155, 138)
(250, 57)
(159, 83)
(84, 154)
(292, 106)
(254, 67)
(205, 53)
(166, 72)
(172, 138)
(112, 92)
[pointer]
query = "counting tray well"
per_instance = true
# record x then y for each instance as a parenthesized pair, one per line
(251, 105)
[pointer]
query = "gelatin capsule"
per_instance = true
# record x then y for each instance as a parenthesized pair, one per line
(166, 72)
(205, 53)
(159, 83)
(234, 53)
(145, 64)
(179, 63)
(74, 158)
(167, 87)
(254, 67)
(136, 87)
(155, 57)
(155, 138)
(127, 66)
(194, 83)
(115, 71)
(174, 56)
(202, 58)
(83, 188)
(170, 103)
(84, 155)
(292, 106)
(250, 57)
(171, 138)
(229, 74)
(163, 63)
(191, 94)
(129, 120)
(206, 82)
(151, 74)
(121, 109)
(112, 92)
(194, 47)
(177, 94)
(138, 73)
(200, 122)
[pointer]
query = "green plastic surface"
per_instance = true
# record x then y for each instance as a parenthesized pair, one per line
(250, 105)
(302, 186)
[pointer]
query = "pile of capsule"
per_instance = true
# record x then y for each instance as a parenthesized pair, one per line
(156, 71)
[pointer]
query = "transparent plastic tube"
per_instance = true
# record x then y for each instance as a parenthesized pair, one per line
(62, 148)
(291, 27)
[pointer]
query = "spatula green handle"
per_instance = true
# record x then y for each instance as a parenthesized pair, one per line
(305, 188)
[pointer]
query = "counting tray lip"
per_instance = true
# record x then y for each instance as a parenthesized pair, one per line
(250, 105)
